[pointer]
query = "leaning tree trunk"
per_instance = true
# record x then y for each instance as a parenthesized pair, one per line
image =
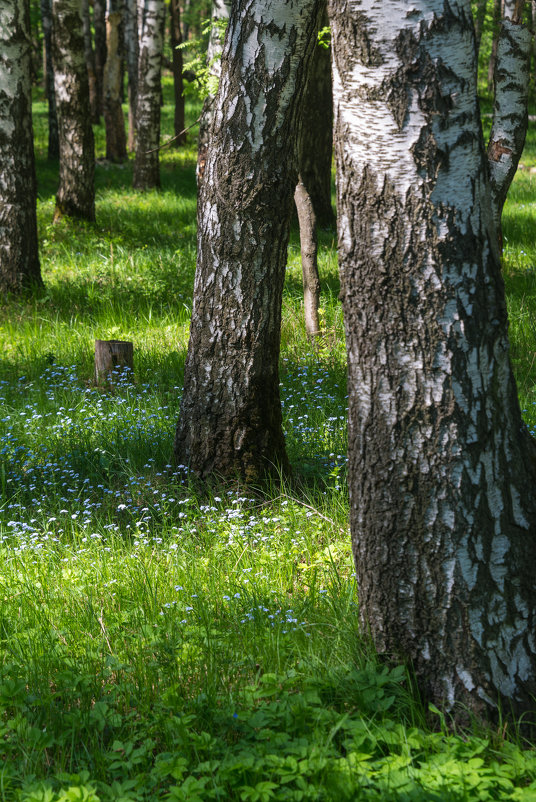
(220, 12)
(317, 136)
(230, 420)
(151, 16)
(19, 259)
(116, 143)
(442, 470)
(132, 55)
(76, 192)
(177, 61)
(53, 141)
(510, 111)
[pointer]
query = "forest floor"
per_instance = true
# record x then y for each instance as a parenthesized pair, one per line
(163, 642)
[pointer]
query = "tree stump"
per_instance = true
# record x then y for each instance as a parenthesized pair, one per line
(111, 358)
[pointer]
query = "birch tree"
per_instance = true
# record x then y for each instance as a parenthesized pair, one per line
(19, 259)
(76, 191)
(230, 419)
(132, 56)
(151, 15)
(46, 20)
(442, 469)
(116, 144)
(510, 109)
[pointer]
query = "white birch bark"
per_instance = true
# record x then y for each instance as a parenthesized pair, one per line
(151, 14)
(19, 259)
(76, 191)
(230, 421)
(510, 110)
(441, 467)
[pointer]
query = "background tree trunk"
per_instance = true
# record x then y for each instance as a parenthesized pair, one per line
(220, 11)
(178, 85)
(76, 192)
(480, 16)
(230, 420)
(116, 145)
(151, 15)
(441, 467)
(317, 135)
(309, 258)
(19, 259)
(132, 57)
(99, 24)
(90, 65)
(53, 140)
(510, 110)
(495, 42)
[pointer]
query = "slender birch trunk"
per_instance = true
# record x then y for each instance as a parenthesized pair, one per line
(309, 258)
(99, 24)
(151, 15)
(116, 144)
(76, 192)
(177, 61)
(19, 258)
(442, 469)
(220, 12)
(53, 141)
(132, 57)
(89, 54)
(230, 421)
(497, 6)
(510, 110)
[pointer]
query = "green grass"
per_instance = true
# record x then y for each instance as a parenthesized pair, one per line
(162, 642)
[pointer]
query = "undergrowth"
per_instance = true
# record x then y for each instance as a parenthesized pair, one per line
(159, 641)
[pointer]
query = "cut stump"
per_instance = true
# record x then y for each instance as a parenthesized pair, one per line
(111, 359)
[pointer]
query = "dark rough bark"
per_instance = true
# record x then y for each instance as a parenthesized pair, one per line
(76, 192)
(131, 57)
(317, 136)
(178, 84)
(442, 470)
(230, 420)
(99, 24)
(510, 111)
(495, 42)
(151, 15)
(309, 258)
(116, 143)
(53, 140)
(220, 11)
(19, 259)
(90, 65)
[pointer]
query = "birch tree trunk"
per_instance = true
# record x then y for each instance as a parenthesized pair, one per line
(116, 145)
(19, 259)
(442, 469)
(220, 12)
(497, 4)
(53, 141)
(132, 57)
(510, 110)
(99, 24)
(480, 16)
(151, 15)
(309, 258)
(230, 420)
(76, 192)
(317, 135)
(177, 61)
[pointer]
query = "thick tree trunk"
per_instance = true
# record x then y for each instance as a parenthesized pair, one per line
(178, 85)
(510, 111)
(53, 140)
(116, 144)
(89, 54)
(317, 136)
(230, 420)
(442, 469)
(76, 192)
(151, 15)
(309, 258)
(132, 56)
(99, 25)
(220, 12)
(19, 259)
